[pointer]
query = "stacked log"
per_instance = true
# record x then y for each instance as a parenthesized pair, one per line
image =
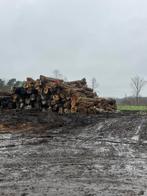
(58, 96)
(6, 100)
(90, 105)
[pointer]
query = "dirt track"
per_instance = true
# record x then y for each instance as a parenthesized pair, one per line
(43, 154)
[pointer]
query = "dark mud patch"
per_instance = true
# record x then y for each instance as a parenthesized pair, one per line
(45, 154)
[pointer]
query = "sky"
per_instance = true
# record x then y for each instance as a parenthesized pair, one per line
(105, 39)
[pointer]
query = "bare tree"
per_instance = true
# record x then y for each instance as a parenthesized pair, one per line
(94, 84)
(56, 73)
(59, 75)
(137, 85)
(65, 79)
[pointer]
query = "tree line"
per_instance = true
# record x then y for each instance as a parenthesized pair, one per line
(7, 85)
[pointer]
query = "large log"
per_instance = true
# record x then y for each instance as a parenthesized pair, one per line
(45, 79)
(4, 94)
(77, 83)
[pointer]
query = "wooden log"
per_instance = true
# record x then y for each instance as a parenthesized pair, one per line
(77, 83)
(45, 79)
(5, 94)
(67, 105)
(56, 98)
(66, 111)
(29, 83)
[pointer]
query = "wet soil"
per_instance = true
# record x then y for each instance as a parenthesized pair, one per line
(42, 154)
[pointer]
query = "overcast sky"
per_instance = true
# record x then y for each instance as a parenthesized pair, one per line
(105, 39)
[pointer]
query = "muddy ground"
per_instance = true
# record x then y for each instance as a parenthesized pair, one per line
(42, 154)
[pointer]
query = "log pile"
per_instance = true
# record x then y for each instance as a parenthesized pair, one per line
(58, 96)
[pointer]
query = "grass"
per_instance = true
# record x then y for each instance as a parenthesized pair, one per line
(131, 108)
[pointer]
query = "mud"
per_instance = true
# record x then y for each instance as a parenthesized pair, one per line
(44, 154)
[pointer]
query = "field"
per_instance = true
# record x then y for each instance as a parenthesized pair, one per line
(131, 108)
(43, 154)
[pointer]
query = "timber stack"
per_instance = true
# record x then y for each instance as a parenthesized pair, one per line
(58, 96)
